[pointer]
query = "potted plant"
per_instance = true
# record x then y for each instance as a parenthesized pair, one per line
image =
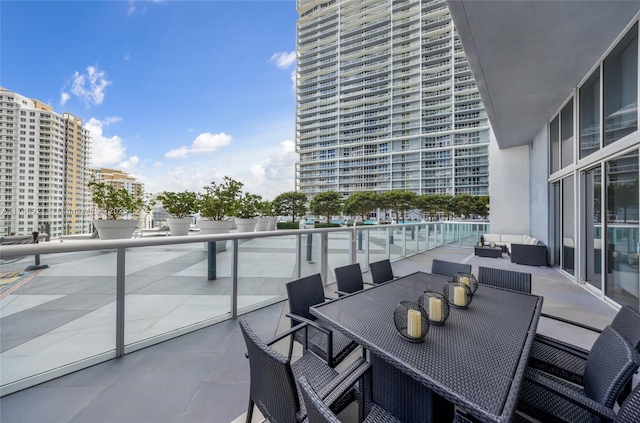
(114, 204)
(180, 205)
(218, 203)
(248, 210)
(266, 219)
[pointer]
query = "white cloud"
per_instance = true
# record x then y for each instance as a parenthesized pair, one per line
(276, 174)
(127, 56)
(157, 165)
(88, 87)
(203, 143)
(106, 150)
(283, 60)
(132, 5)
(130, 164)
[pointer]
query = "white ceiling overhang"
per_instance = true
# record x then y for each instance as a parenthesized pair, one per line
(527, 56)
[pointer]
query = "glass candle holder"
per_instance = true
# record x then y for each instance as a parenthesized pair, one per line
(467, 279)
(458, 295)
(436, 305)
(411, 320)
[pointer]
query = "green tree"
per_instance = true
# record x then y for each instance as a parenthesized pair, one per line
(115, 203)
(326, 204)
(290, 203)
(400, 201)
(249, 205)
(426, 203)
(463, 205)
(481, 205)
(220, 200)
(179, 204)
(360, 204)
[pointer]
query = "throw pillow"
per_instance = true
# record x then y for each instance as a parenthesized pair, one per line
(492, 244)
(480, 244)
(534, 241)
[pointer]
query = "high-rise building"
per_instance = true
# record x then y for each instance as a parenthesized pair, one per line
(43, 168)
(386, 100)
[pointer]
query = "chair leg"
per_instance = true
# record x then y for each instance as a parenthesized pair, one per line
(290, 347)
(250, 411)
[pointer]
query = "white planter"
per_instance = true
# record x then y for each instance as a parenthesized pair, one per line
(246, 225)
(272, 224)
(179, 227)
(263, 224)
(208, 227)
(115, 229)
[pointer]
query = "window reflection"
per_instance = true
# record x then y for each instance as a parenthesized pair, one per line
(554, 137)
(568, 238)
(622, 229)
(621, 88)
(590, 115)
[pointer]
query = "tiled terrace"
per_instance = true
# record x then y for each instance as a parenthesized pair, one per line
(204, 377)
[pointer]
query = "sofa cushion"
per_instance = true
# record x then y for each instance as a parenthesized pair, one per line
(527, 239)
(533, 241)
(512, 239)
(491, 237)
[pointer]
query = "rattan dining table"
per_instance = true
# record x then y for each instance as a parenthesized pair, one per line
(475, 361)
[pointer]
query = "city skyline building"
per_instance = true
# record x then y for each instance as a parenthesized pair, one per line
(386, 101)
(43, 168)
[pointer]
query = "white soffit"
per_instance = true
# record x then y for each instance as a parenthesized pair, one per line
(526, 56)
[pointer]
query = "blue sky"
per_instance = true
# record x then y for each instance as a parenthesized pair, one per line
(177, 93)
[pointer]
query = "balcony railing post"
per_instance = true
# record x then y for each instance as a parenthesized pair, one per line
(324, 256)
(298, 256)
(388, 241)
(404, 241)
(120, 295)
(352, 245)
(234, 279)
(366, 247)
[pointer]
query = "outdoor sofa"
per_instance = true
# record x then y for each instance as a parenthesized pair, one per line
(523, 249)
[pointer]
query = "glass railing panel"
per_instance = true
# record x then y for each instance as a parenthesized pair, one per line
(411, 237)
(378, 239)
(265, 266)
(338, 248)
(396, 242)
(310, 254)
(58, 316)
(362, 246)
(168, 288)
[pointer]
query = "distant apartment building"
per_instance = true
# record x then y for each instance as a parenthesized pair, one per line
(386, 100)
(43, 168)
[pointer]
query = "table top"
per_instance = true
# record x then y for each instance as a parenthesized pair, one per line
(476, 359)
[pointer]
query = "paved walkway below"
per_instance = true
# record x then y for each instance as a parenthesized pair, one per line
(203, 376)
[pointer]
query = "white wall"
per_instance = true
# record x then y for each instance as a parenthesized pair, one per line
(539, 187)
(509, 189)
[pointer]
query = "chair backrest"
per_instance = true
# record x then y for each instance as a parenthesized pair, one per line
(273, 388)
(317, 410)
(630, 409)
(508, 279)
(381, 271)
(349, 278)
(610, 365)
(627, 324)
(449, 268)
(304, 293)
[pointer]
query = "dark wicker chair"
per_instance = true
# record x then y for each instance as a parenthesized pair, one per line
(449, 268)
(273, 379)
(568, 361)
(507, 279)
(319, 412)
(381, 271)
(610, 365)
(349, 279)
(331, 346)
(629, 412)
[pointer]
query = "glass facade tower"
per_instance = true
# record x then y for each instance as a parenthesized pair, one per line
(386, 100)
